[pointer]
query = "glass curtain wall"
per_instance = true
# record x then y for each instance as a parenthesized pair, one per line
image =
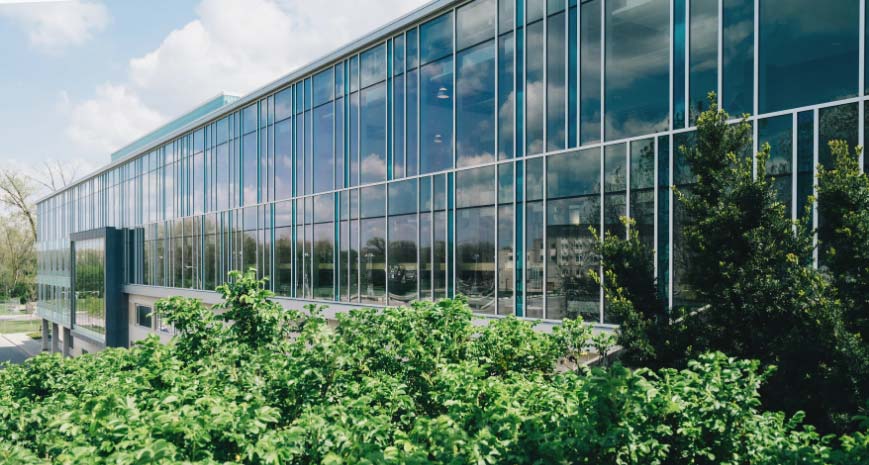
(469, 152)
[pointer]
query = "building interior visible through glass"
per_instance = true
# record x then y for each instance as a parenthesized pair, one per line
(469, 152)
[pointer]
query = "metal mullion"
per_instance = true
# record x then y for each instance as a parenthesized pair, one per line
(628, 170)
(794, 170)
(756, 103)
(545, 92)
(602, 72)
(601, 179)
(815, 161)
(545, 240)
(687, 70)
(720, 53)
(655, 251)
(862, 82)
(670, 214)
(431, 228)
(455, 33)
(602, 140)
(567, 74)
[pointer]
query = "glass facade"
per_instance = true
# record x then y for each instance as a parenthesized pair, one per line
(469, 152)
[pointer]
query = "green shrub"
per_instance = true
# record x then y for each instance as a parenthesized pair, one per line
(416, 385)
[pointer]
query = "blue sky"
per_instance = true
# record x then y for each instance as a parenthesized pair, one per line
(81, 78)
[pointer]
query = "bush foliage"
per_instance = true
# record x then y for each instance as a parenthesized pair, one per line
(415, 385)
(751, 274)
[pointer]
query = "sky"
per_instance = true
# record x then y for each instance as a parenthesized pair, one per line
(83, 78)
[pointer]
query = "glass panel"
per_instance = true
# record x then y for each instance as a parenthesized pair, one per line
(737, 97)
(402, 270)
(808, 55)
(573, 207)
(505, 15)
(505, 260)
(643, 189)
(556, 93)
(805, 160)
(534, 247)
(283, 249)
(412, 127)
(534, 89)
(475, 105)
(475, 23)
(589, 72)
(283, 161)
(615, 178)
(777, 132)
(373, 135)
(683, 294)
(323, 262)
(324, 130)
(506, 96)
(283, 104)
(250, 169)
(664, 194)
(398, 125)
(703, 55)
(436, 38)
(402, 197)
(436, 147)
(836, 123)
(475, 256)
(323, 87)
(637, 75)
(90, 300)
(373, 65)
(372, 272)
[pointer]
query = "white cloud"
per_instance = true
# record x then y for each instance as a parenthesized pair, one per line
(52, 26)
(234, 45)
(112, 119)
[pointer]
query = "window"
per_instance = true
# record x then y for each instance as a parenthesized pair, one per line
(475, 105)
(642, 192)
(589, 72)
(90, 300)
(475, 23)
(737, 96)
(573, 193)
(324, 247)
(475, 238)
(808, 55)
(373, 134)
(703, 58)
(615, 181)
(534, 247)
(505, 239)
(637, 76)
(402, 269)
(556, 69)
(506, 96)
(324, 131)
(372, 237)
(283, 160)
(778, 133)
(283, 249)
(535, 61)
(436, 38)
(436, 117)
(143, 316)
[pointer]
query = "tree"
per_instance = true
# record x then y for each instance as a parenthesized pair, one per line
(17, 259)
(16, 192)
(750, 266)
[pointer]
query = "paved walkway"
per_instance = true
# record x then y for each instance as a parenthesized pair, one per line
(17, 348)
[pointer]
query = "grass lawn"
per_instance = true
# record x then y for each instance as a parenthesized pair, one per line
(21, 326)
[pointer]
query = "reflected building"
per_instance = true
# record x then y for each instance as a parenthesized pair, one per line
(467, 148)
